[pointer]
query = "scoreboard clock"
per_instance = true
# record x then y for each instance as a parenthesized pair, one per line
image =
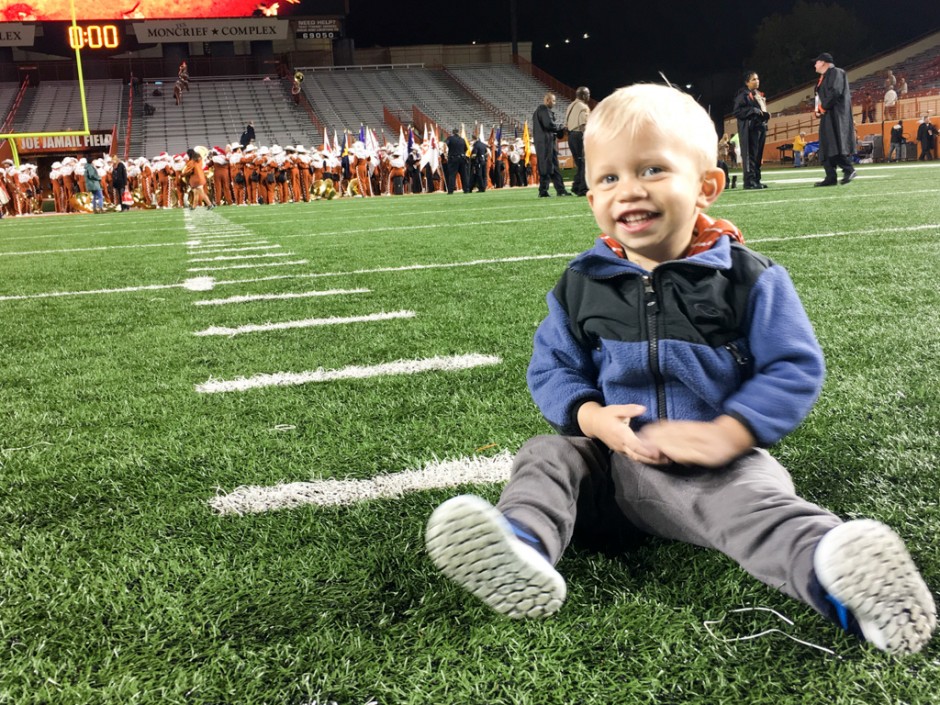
(94, 36)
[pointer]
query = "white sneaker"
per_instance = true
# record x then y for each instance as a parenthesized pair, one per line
(865, 566)
(473, 545)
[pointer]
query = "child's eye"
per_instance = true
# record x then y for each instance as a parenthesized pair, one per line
(609, 179)
(652, 170)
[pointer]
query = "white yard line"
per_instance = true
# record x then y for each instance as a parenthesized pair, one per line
(474, 470)
(257, 265)
(399, 367)
(248, 247)
(305, 323)
(447, 265)
(405, 268)
(869, 231)
(437, 226)
(274, 297)
(237, 257)
(90, 249)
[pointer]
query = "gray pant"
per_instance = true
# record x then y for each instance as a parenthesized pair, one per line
(565, 487)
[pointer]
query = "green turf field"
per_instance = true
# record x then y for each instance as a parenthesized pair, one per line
(122, 581)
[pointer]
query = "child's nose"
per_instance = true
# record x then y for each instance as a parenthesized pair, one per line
(630, 187)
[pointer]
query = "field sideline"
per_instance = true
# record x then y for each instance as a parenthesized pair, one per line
(222, 433)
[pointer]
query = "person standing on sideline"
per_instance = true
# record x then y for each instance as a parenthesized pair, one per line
(478, 165)
(799, 144)
(93, 186)
(836, 130)
(456, 161)
(926, 135)
(119, 182)
(575, 120)
(546, 132)
(750, 108)
(897, 142)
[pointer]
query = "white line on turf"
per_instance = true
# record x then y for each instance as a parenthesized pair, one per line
(256, 265)
(274, 297)
(405, 268)
(91, 249)
(399, 367)
(474, 470)
(248, 247)
(236, 257)
(304, 323)
(448, 265)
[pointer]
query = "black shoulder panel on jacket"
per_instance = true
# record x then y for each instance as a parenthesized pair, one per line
(694, 303)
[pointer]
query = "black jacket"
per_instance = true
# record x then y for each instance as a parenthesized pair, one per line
(119, 177)
(545, 130)
(836, 130)
(456, 148)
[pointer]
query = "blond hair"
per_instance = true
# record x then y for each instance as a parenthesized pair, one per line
(671, 113)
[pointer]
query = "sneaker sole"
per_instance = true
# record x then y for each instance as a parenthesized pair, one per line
(866, 566)
(473, 545)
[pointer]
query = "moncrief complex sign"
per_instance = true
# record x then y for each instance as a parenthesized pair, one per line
(210, 31)
(16, 34)
(97, 141)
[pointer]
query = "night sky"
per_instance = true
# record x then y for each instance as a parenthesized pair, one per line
(704, 44)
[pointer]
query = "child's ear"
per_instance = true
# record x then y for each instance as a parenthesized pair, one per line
(713, 183)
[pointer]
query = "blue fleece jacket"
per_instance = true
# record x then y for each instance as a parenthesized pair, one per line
(723, 332)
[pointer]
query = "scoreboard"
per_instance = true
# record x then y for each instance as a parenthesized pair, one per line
(60, 10)
(94, 36)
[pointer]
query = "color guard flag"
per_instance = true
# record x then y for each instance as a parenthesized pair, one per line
(525, 142)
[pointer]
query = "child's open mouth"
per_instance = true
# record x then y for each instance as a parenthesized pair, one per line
(637, 220)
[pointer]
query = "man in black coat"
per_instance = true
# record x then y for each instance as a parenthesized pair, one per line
(926, 135)
(478, 166)
(457, 162)
(119, 181)
(750, 108)
(836, 130)
(248, 136)
(545, 132)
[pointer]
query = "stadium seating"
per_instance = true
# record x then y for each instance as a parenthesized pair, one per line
(346, 97)
(8, 93)
(515, 93)
(215, 111)
(56, 106)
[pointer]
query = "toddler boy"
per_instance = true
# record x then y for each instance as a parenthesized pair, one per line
(670, 357)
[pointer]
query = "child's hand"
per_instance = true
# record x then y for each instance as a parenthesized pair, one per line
(709, 444)
(611, 424)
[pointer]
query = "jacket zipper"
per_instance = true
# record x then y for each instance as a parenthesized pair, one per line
(739, 357)
(652, 313)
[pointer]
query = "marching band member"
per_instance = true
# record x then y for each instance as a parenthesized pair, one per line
(304, 172)
(237, 171)
(180, 186)
(252, 163)
(162, 170)
(55, 178)
(222, 177)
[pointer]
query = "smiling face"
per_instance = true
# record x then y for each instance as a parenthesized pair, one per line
(646, 191)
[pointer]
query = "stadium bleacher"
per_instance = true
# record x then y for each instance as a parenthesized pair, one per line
(215, 110)
(346, 97)
(56, 106)
(8, 93)
(516, 93)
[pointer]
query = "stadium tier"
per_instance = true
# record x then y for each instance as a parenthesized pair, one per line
(215, 111)
(347, 96)
(55, 106)
(503, 85)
